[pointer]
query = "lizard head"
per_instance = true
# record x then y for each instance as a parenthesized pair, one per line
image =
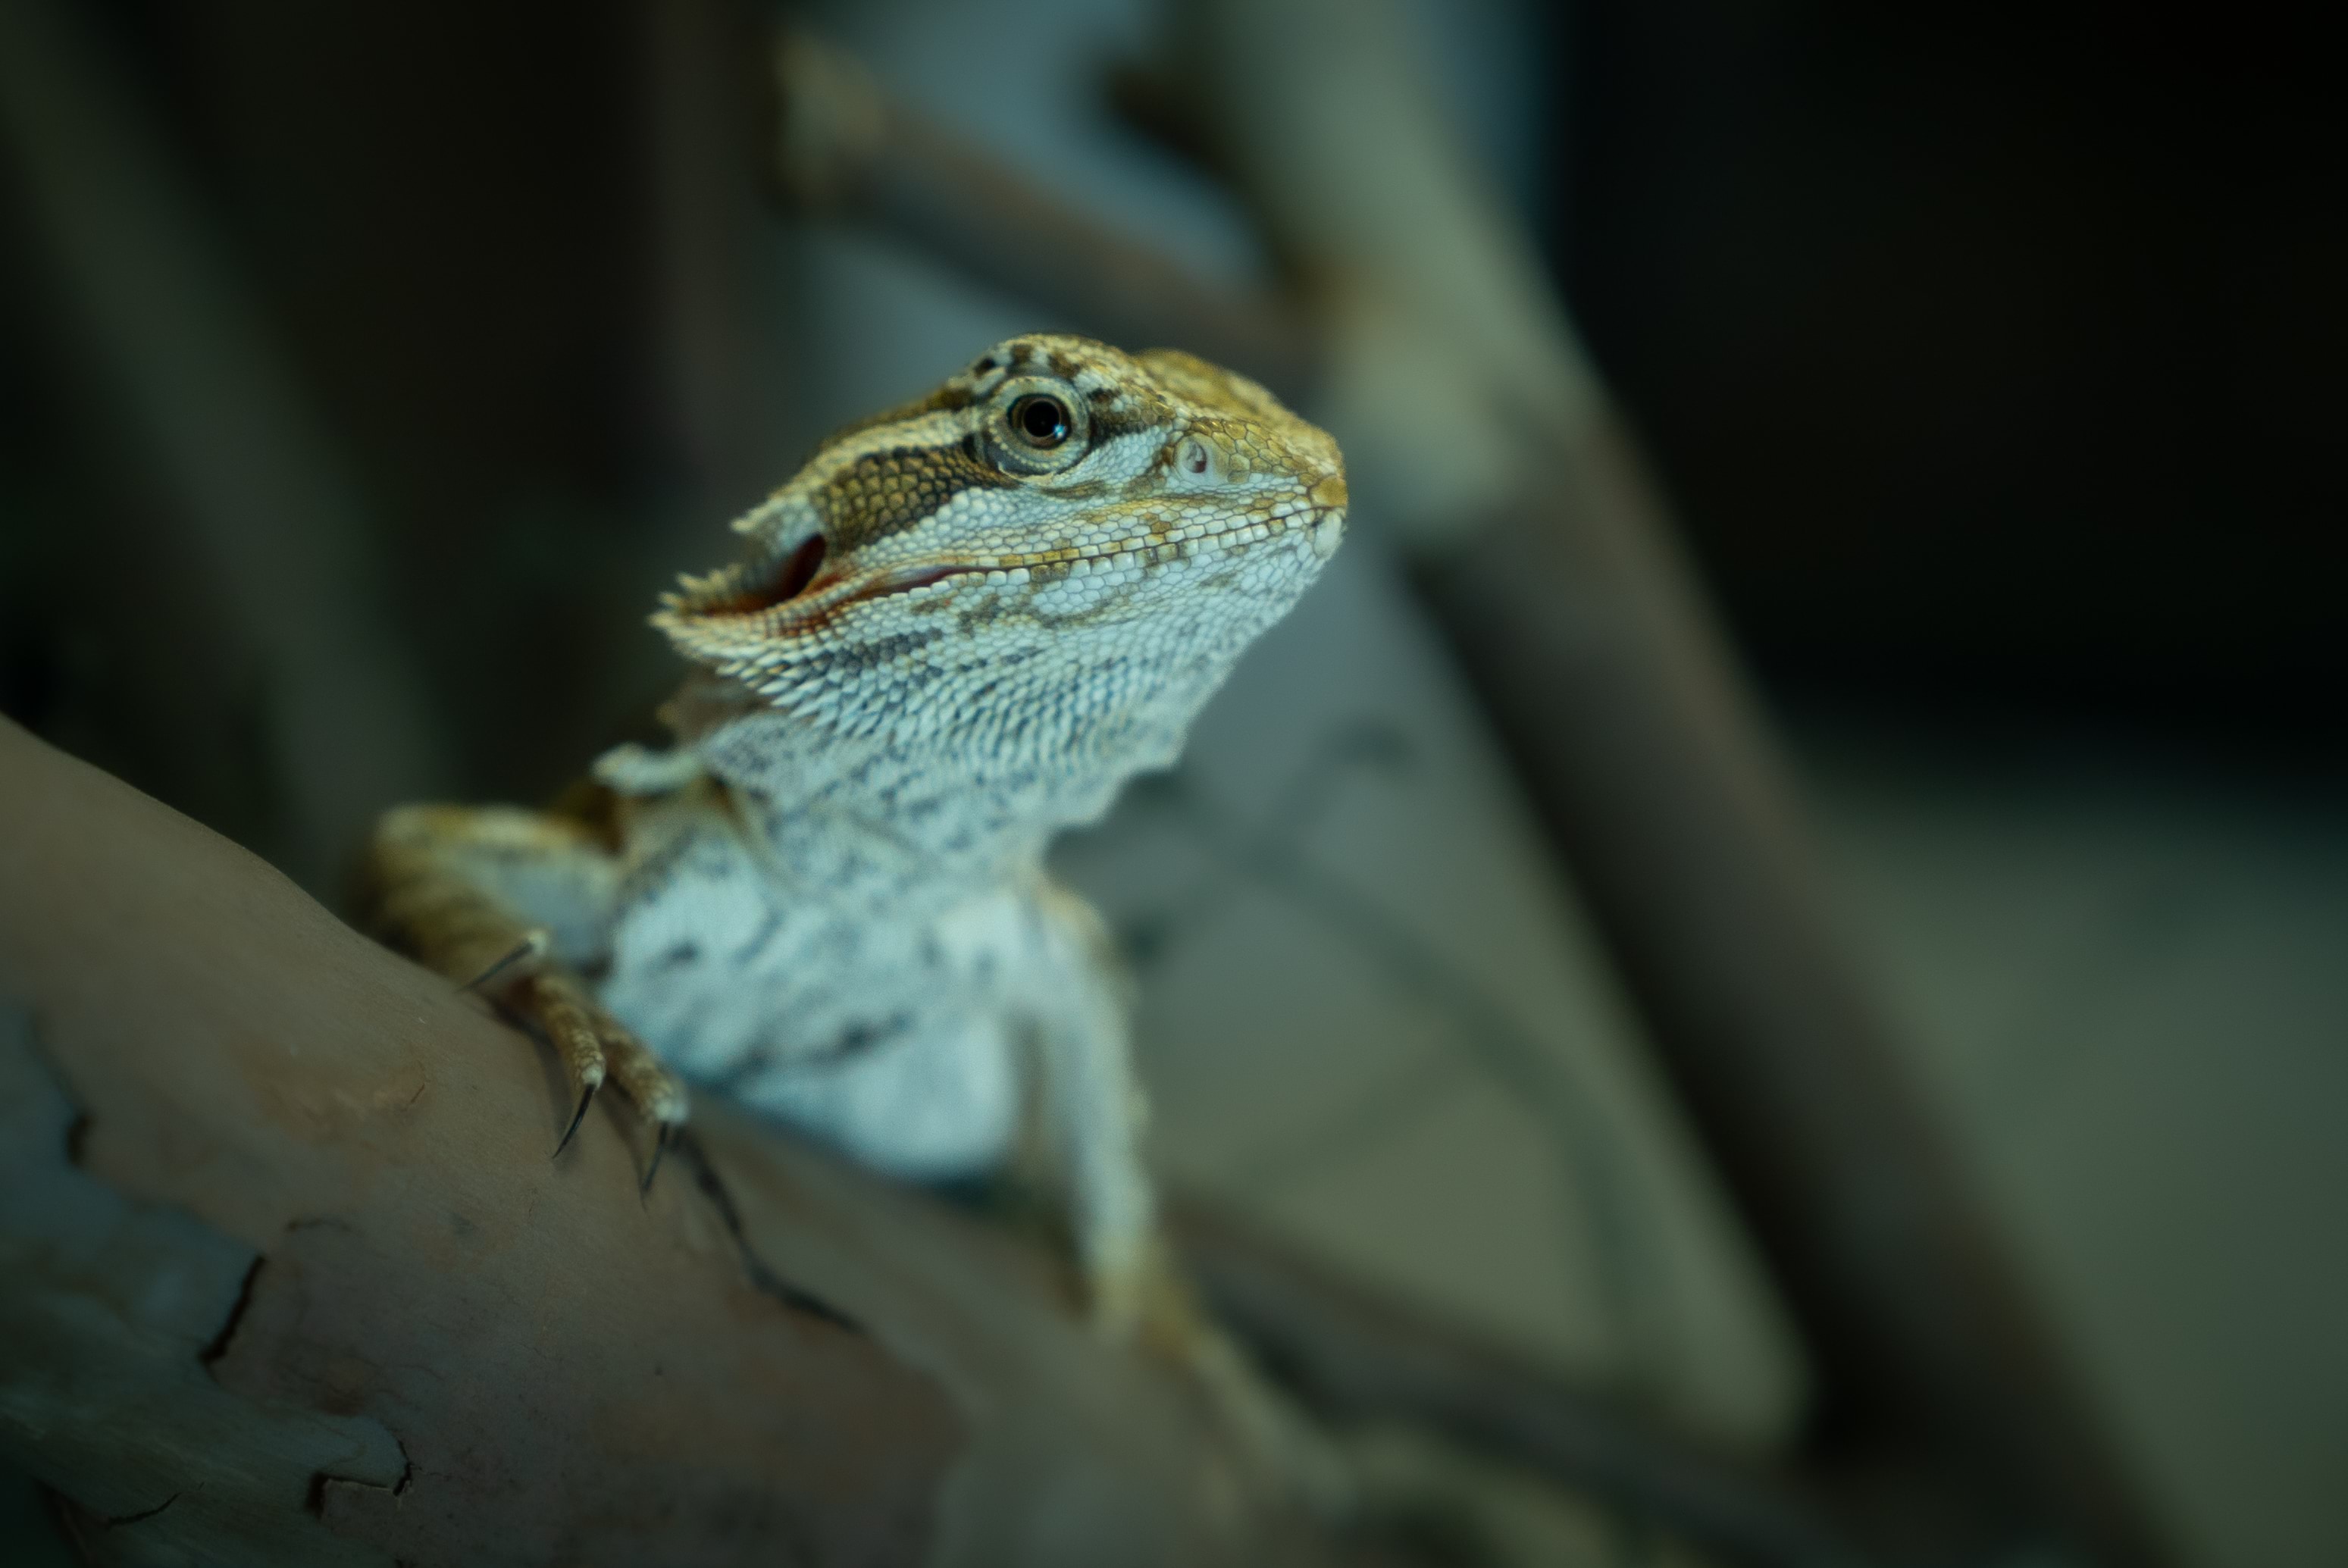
(1055, 558)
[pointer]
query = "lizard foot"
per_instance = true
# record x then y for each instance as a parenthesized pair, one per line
(594, 1049)
(1151, 1302)
(431, 874)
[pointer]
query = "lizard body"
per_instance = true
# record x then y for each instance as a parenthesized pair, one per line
(958, 630)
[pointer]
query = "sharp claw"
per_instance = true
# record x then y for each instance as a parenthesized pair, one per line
(652, 1167)
(531, 946)
(586, 1098)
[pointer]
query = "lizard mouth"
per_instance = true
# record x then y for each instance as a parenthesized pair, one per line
(800, 570)
(796, 590)
(799, 591)
(744, 591)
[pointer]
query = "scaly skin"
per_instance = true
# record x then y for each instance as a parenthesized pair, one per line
(958, 630)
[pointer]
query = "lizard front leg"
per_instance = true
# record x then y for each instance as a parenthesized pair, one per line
(1136, 1288)
(514, 902)
(1093, 1113)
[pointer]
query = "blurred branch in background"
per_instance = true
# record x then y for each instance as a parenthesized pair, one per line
(1455, 381)
(1360, 1360)
(1581, 622)
(285, 544)
(847, 149)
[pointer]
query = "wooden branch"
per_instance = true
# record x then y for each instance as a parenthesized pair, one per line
(1559, 574)
(846, 149)
(287, 1274)
(1358, 1359)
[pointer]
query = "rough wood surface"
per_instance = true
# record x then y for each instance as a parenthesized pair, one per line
(290, 1275)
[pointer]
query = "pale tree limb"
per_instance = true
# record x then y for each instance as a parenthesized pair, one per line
(290, 1275)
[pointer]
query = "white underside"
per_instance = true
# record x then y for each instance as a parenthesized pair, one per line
(932, 1107)
(895, 1036)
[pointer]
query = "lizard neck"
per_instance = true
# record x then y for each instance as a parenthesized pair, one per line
(958, 772)
(874, 818)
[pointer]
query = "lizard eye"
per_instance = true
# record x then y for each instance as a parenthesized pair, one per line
(1036, 427)
(1042, 419)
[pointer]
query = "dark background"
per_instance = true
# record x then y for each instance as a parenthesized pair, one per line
(1994, 352)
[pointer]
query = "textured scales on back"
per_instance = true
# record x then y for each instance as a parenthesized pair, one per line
(959, 629)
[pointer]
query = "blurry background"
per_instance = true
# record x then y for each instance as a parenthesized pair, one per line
(364, 370)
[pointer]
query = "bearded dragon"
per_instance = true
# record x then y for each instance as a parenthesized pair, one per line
(961, 626)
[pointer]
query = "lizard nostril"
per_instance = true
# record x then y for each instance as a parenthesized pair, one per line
(1193, 456)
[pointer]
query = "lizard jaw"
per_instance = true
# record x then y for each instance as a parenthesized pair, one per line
(713, 616)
